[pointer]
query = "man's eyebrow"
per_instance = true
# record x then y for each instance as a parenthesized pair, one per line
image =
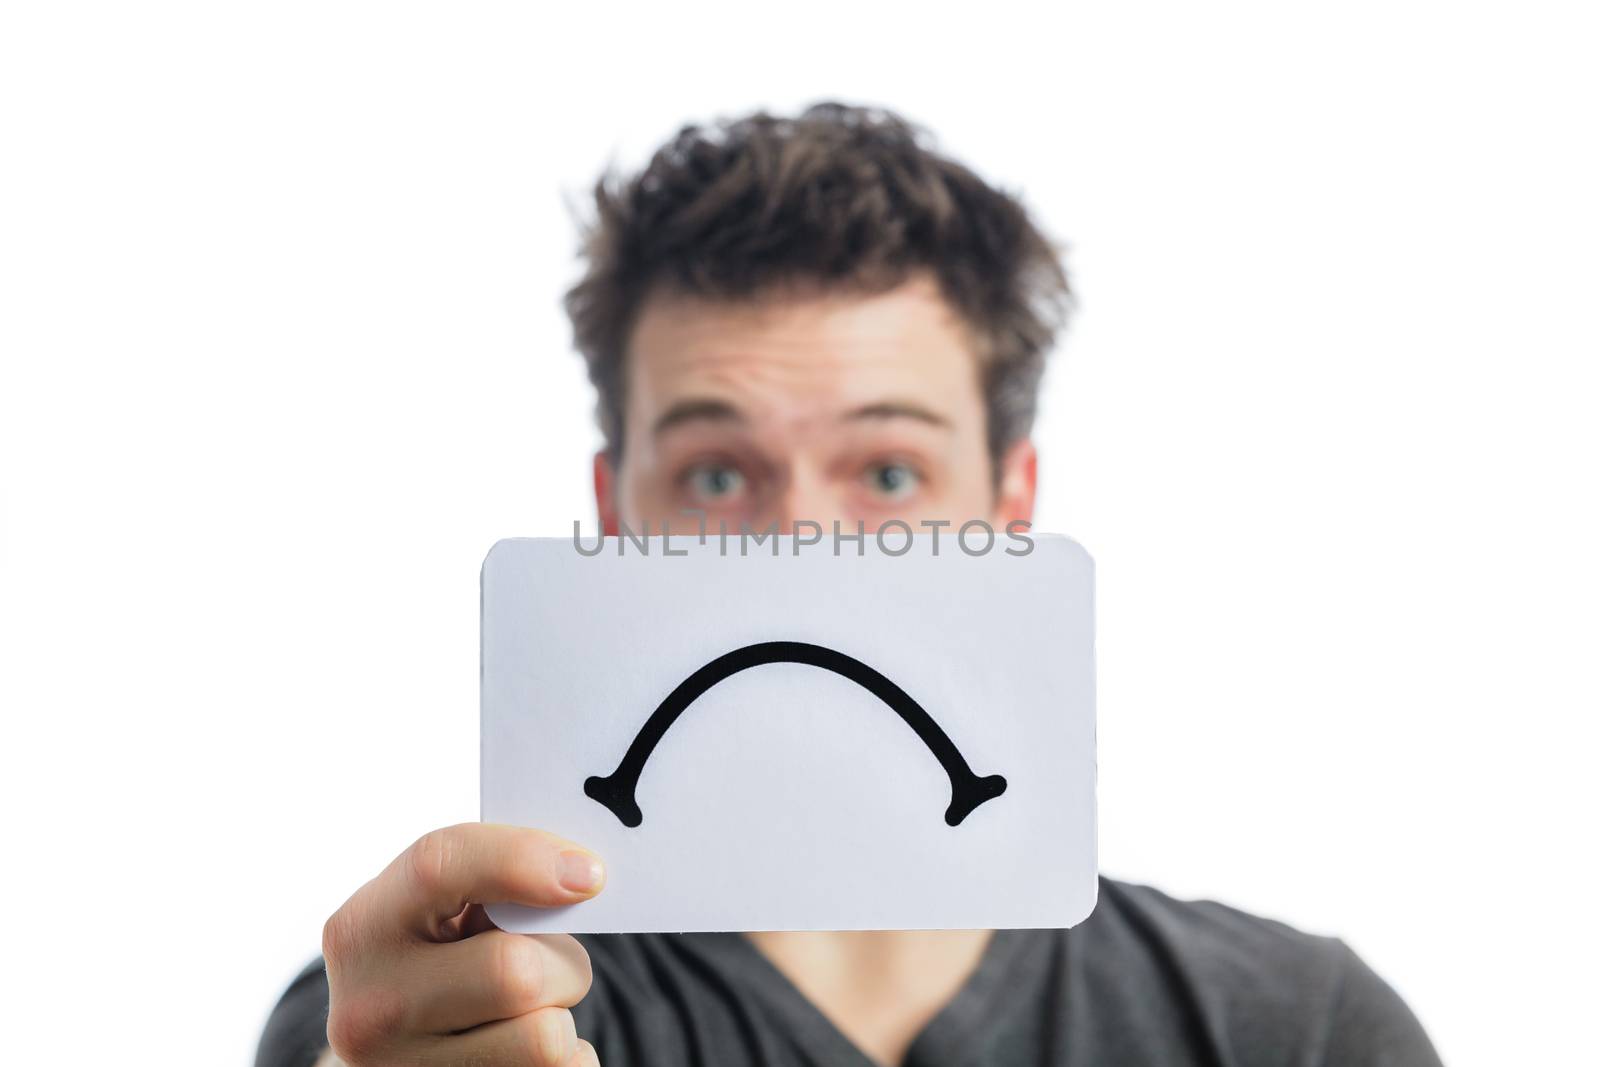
(899, 409)
(695, 409)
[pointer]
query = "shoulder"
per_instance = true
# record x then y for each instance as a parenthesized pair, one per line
(1210, 940)
(1249, 984)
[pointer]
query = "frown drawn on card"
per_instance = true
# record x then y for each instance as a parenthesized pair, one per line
(617, 790)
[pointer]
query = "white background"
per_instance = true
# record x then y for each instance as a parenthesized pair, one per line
(282, 356)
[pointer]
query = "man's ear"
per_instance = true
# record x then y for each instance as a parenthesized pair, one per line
(605, 493)
(1019, 481)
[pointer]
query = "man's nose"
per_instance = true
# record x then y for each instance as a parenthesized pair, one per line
(806, 497)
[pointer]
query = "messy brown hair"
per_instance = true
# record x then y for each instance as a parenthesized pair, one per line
(845, 197)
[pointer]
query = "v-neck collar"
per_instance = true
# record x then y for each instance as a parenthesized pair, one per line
(954, 1034)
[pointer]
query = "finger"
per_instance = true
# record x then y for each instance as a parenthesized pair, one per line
(480, 863)
(585, 1056)
(494, 976)
(544, 1038)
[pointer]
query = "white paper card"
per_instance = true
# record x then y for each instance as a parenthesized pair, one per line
(799, 741)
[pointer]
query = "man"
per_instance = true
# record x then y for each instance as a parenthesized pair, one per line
(816, 318)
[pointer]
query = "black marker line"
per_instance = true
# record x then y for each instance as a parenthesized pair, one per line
(616, 790)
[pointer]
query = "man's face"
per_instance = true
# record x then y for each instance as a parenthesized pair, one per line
(819, 407)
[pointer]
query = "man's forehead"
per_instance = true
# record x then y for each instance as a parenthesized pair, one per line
(818, 349)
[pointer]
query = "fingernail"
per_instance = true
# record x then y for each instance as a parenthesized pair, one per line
(581, 872)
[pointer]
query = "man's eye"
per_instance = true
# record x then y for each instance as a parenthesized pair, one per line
(714, 481)
(893, 480)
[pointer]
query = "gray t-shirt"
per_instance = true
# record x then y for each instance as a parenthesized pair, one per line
(1145, 980)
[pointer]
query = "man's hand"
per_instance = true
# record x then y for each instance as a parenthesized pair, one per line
(418, 974)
